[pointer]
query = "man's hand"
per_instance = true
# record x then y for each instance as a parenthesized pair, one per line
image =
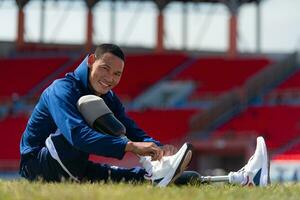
(145, 149)
(168, 150)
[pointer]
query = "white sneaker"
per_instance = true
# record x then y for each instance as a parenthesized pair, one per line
(169, 168)
(256, 171)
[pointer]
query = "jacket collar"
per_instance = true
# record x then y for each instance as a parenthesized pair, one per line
(81, 73)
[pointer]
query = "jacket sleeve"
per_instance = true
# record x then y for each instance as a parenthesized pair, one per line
(61, 104)
(133, 132)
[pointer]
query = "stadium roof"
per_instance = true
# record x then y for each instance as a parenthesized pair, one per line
(159, 1)
(233, 6)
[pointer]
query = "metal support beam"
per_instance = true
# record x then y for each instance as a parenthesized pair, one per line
(89, 31)
(184, 25)
(90, 26)
(21, 22)
(258, 27)
(21, 29)
(112, 21)
(42, 22)
(160, 32)
(161, 4)
(233, 6)
(232, 50)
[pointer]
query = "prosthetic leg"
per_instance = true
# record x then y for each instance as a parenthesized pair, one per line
(255, 172)
(194, 178)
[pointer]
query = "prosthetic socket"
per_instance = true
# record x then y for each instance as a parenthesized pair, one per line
(99, 116)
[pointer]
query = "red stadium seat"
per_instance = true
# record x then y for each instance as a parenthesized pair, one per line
(217, 75)
(141, 71)
(11, 131)
(291, 154)
(21, 75)
(278, 124)
(164, 125)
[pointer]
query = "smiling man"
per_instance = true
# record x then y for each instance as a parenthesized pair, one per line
(58, 140)
(106, 72)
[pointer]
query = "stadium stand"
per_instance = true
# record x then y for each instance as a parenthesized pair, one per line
(142, 71)
(278, 124)
(291, 154)
(215, 76)
(11, 128)
(21, 75)
(292, 83)
(59, 73)
(288, 92)
(165, 125)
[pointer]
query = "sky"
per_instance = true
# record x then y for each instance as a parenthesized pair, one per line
(207, 25)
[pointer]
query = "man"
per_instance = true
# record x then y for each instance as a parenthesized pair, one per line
(57, 140)
(63, 130)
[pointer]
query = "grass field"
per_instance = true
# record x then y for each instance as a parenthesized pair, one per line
(40, 191)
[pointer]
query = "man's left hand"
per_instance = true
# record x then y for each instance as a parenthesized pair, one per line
(169, 150)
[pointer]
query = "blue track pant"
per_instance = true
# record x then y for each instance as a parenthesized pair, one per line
(41, 166)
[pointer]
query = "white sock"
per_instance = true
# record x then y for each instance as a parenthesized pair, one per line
(237, 178)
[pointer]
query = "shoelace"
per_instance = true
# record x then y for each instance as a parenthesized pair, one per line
(243, 168)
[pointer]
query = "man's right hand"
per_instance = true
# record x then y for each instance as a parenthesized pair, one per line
(145, 149)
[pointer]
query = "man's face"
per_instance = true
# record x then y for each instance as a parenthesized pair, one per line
(105, 72)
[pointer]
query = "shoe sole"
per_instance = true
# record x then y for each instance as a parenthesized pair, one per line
(264, 178)
(187, 157)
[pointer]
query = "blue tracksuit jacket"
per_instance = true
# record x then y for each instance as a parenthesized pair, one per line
(56, 112)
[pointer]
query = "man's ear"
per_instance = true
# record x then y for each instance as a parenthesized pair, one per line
(91, 59)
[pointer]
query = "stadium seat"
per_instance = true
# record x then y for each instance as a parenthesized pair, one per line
(217, 75)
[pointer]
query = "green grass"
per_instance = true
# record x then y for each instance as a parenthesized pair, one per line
(39, 191)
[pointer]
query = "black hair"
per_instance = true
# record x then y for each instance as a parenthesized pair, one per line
(109, 48)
